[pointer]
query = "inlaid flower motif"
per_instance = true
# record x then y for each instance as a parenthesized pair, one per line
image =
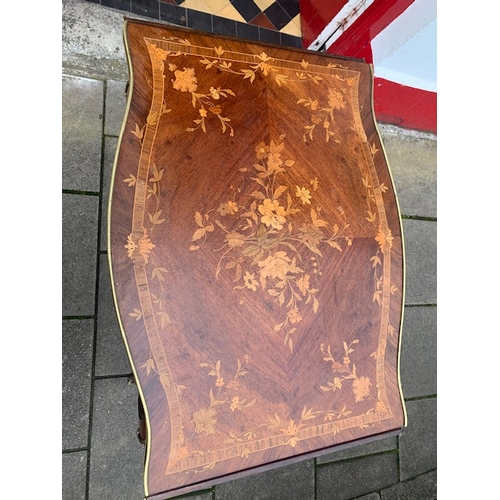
(205, 420)
(215, 93)
(235, 239)
(276, 265)
(361, 388)
(143, 245)
(335, 99)
(250, 281)
(228, 208)
(235, 403)
(273, 214)
(304, 195)
(384, 239)
(303, 284)
(294, 315)
(185, 80)
(261, 151)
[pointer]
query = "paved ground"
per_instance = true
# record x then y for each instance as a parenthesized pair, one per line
(102, 458)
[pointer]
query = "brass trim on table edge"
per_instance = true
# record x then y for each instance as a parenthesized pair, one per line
(403, 252)
(122, 330)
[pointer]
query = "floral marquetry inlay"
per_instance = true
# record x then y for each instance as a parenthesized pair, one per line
(256, 256)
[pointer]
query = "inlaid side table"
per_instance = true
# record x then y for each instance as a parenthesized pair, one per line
(256, 256)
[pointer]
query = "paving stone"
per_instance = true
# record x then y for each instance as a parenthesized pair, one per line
(116, 104)
(116, 456)
(291, 482)
(352, 478)
(369, 448)
(77, 347)
(82, 114)
(199, 496)
(418, 441)
(110, 144)
(370, 496)
(413, 164)
(79, 253)
(111, 356)
(419, 352)
(74, 475)
(421, 261)
(423, 487)
(92, 41)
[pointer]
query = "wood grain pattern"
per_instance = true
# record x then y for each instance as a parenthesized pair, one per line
(256, 255)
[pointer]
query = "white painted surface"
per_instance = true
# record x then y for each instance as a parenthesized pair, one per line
(406, 51)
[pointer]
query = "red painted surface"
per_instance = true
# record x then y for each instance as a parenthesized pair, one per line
(356, 40)
(404, 106)
(315, 16)
(394, 103)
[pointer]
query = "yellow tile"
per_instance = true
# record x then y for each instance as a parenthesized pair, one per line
(217, 5)
(263, 4)
(198, 5)
(229, 12)
(293, 27)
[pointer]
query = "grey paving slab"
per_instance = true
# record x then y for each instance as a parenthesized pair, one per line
(423, 487)
(377, 446)
(413, 164)
(419, 352)
(207, 495)
(116, 456)
(92, 40)
(370, 496)
(418, 441)
(111, 356)
(291, 482)
(116, 104)
(74, 475)
(110, 144)
(82, 115)
(79, 253)
(77, 347)
(353, 478)
(420, 238)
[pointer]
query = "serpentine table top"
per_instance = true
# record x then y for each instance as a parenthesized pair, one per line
(256, 256)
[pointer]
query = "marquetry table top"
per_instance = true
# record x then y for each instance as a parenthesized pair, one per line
(256, 255)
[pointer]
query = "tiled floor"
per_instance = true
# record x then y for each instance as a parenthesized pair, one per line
(272, 21)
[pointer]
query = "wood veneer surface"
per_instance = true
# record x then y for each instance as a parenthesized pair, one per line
(256, 255)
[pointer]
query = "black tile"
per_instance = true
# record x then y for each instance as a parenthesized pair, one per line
(117, 4)
(269, 36)
(223, 26)
(199, 20)
(277, 16)
(291, 7)
(291, 41)
(247, 31)
(246, 8)
(94, 1)
(173, 14)
(148, 8)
